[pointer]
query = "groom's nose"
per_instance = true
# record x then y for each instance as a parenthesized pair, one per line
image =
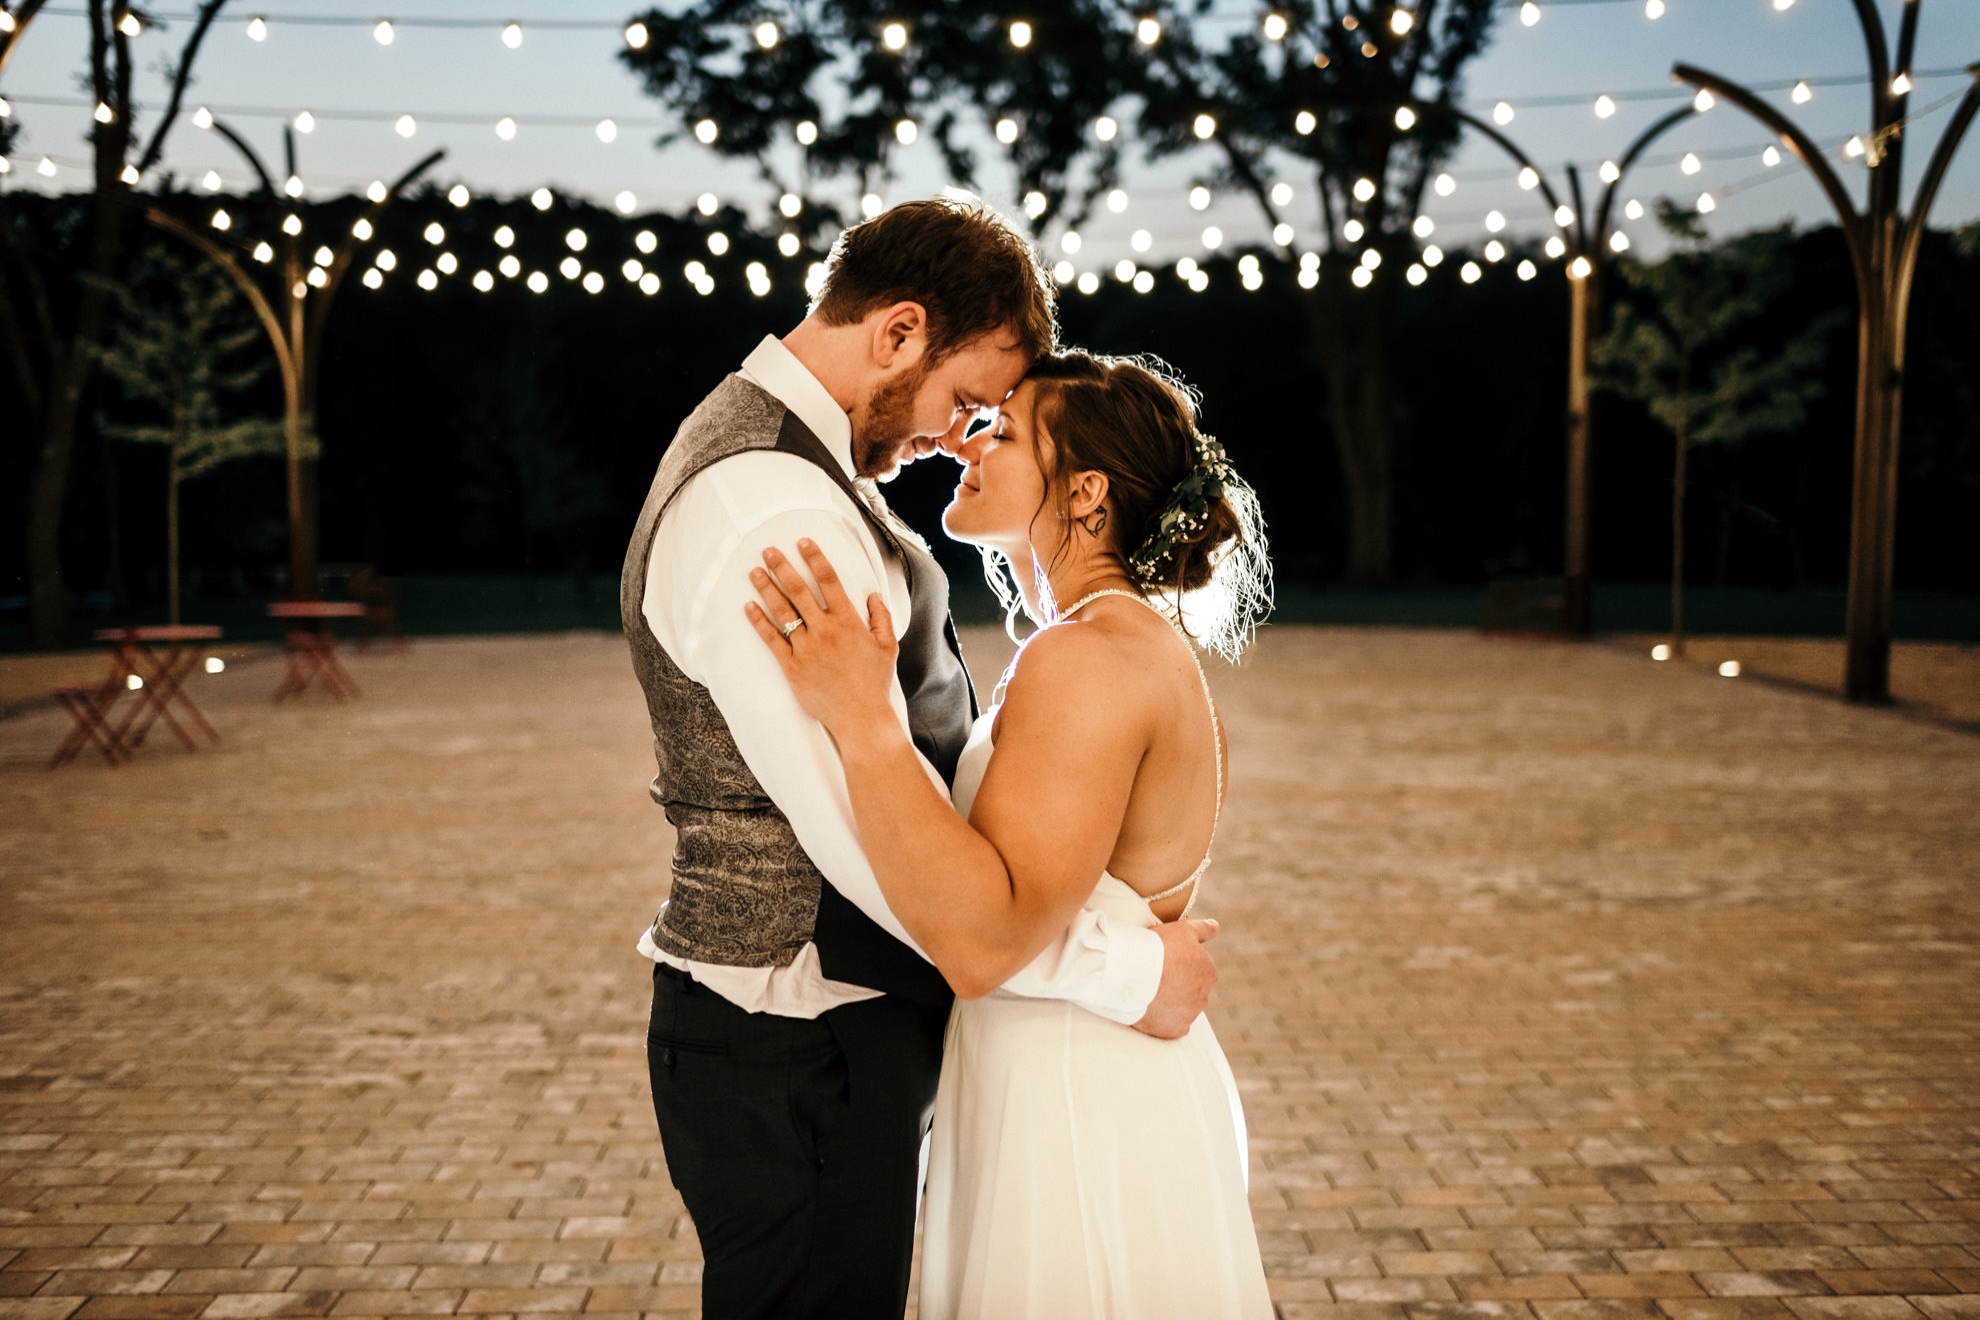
(951, 441)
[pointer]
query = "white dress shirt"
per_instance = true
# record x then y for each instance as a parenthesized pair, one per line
(697, 582)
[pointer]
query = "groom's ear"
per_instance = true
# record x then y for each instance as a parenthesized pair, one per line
(900, 335)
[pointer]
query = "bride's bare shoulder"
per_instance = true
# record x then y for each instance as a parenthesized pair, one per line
(1091, 658)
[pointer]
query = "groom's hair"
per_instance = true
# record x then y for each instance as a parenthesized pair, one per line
(971, 271)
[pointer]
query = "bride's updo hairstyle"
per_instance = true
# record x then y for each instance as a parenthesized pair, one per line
(1183, 524)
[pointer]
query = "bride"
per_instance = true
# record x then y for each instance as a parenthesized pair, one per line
(1078, 1168)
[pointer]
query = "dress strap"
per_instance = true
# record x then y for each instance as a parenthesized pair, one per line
(1216, 736)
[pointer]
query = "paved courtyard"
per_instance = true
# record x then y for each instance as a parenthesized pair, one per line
(1559, 984)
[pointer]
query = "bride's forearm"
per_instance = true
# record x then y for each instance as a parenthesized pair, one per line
(948, 884)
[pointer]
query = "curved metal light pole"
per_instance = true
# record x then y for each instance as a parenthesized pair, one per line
(1589, 243)
(1883, 252)
(297, 337)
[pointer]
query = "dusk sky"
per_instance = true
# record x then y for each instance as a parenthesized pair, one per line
(459, 81)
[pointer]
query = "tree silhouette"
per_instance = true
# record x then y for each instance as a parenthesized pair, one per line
(181, 348)
(1684, 348)
(1320, 90)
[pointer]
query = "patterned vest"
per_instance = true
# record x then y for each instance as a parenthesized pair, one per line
(744, 893)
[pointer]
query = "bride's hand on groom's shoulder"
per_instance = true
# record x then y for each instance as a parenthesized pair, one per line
(839, 658)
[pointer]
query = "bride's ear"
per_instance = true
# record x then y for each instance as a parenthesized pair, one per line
(1089, 492)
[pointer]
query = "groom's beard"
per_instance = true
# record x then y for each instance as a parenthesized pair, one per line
(883, 432)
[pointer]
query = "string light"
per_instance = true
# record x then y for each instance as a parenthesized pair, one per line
(1148, 31)
(1619, 241)
(1771, 157)
(537, 281)
(1362, 277)
(1089, 283)
(1901, 85)
(1529, 179)
(263, 253)
(512, 35)
(305, 122)
(257, 28)
(1633, 209)
(221, 220)
(1274, 27)
(1495, 251)
(1563, 216)
(788, 244)
(645, 241)
(636, 36)
(1445, 185)
(805, 132)
(1527, 270)
(130, 175)
(1401, 22)
(1423, 226)
(1035, 204)
(1495, 222)
(292, 225)
(1502, 113)
(870, 205)
(1353, 230)
(1213, 238)
(570, 268)
(129, 25)
(405, 126)
(1653, 9)
(1405, 118)
(1117, 201)
(1605, 106)
(1706, 205)
(1069, 242)
(374, 279)
(509, 266)
(718, 243)
(1304, 123)
(1020, 34)
(894, 36)
(293, 187)
(483, 281)
(790, 205)
(1703, 101)
(505, 128)
(448, 263)
(104, 114)
(1416, 274)
(1580, 268)
(1364, 190)
(1802, 94)
(428, 281)
(382, 32)
(1199, 198)
(375, 191)
(1529, 13)
(1007, 131)
(607, 130)
(766, 35)
(575, 240)
(1282, 234)
(1104, 128)
(434, 233)
(1124, 270)
(1556, 247)
(1691, 164)
(1610, 171)
(1433, 256)
(202, 118)
(1282, 195)
(905, 132)
(707, 203)
(706, 131)
(459, 195)
(541, 199)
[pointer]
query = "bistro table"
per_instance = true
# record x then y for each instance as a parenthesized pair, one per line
(151, 664)
(313, 647)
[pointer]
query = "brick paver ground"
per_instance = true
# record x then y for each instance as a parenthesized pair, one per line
(1559, 984)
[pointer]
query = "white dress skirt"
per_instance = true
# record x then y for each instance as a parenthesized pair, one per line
(1079, 1168)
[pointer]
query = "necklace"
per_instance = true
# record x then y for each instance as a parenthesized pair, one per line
(1092, 596)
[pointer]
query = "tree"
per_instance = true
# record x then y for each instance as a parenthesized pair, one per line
(176, 353)
(1685, 350)
(53, 338)
(1318, 85)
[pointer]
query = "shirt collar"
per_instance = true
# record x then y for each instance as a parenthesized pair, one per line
(777, 370)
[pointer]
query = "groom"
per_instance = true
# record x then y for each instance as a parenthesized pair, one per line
(796, 1032)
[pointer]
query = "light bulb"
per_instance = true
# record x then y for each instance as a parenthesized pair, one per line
(1502, 113)
(1205, 127)
(1007, 131)
(305, 122)
(1445, 185)
(767, 35)
(459, 195)
(706, 131)
(257, 28)
(1020, 33)
(1304, 123)
(512, 35)
(1405, 118)
(1529, 13)
(1275, 27)
(805, 132)
(636, 36)
(405, 126)
(1802, 94)
(905, 132)
(382, 32)
(505, 128)
(1148, 31)
(894, 36)
(1605, 106)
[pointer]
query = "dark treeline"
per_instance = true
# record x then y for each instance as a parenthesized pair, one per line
(512, 431)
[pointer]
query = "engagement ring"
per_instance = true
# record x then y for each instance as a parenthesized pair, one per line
(792, 627)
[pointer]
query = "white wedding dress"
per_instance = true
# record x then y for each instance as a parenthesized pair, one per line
(1078, 1169)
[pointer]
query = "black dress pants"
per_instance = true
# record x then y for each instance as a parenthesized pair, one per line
(796, 1145)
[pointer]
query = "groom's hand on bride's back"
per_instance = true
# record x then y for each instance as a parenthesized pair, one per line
(1188, 977)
